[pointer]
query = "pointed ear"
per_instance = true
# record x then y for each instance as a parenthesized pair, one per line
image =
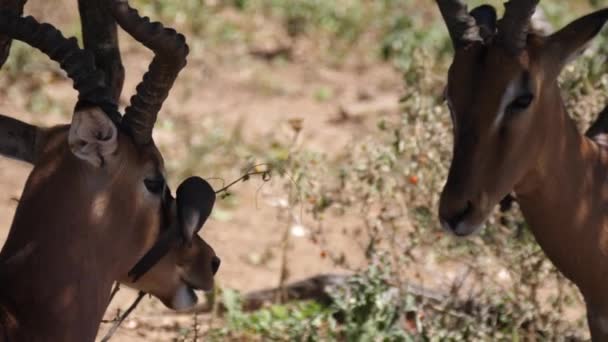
(568, 43)
(93, 136)
(195, 199)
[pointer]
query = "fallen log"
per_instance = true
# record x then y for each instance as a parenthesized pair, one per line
(317, 288)
(431, 303)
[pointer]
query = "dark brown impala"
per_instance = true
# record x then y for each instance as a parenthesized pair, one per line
(511, 131)
(96, 208)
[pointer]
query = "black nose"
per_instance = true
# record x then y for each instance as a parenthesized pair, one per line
(215, 264)
(452, 219)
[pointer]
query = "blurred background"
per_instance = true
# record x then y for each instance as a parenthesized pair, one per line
(338, 104)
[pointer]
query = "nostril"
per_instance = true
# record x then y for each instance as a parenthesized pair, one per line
(458, 217)
(215, 264)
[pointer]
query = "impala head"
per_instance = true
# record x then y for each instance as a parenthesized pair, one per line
(102, 179)
(504, 99)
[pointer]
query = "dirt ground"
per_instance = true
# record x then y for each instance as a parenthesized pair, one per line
(225, 89)
(262, 96)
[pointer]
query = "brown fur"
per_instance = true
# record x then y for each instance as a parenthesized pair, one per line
(79, 228)
(559, 176)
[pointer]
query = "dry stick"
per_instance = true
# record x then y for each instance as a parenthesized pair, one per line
(114, 291)
(116, 324)
(284, 271)
(283, 275)
(214, 309)
(250, 172)
(195, 327)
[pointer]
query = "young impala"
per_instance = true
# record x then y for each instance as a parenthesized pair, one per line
(511, 131)
(96, 200)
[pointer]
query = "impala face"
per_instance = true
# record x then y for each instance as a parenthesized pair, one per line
(176, 276)
(96, 201)
(492, 98)
(118, 185)
(502, 93)
(190, 263)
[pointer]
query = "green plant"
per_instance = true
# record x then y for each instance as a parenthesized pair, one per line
(370, 308)
(305, 321)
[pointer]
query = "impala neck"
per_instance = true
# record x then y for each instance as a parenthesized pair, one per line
(55, 262)
(563, 198)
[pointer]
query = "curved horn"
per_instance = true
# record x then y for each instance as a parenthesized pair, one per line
(5, 42)
(170, 51)
(515, 24)
(462, 27)
(77, 63)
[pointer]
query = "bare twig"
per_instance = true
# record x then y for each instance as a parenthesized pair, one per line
(118, 322)
(195, 327)
(250, 172)
(114, 291)
(283, 271)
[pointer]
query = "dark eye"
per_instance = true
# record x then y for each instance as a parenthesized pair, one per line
(155, 186)
(521, 103)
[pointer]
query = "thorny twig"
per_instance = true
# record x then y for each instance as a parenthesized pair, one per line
(119, 321)
(266, 177)
(283, 272)
(251, 171)
(114, 291)
(195, 327)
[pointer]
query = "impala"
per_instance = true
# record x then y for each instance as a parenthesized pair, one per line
(511, 131)
(96, 207)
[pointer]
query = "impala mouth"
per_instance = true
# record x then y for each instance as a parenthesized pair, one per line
(205, 288)
(184, 298)
(464, 229)
(470, 221)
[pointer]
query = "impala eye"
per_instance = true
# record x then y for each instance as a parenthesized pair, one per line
(155, 186)
(521, 103)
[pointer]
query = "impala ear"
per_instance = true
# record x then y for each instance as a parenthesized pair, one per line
(568, 43)
(93, 136)
(195, 199)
